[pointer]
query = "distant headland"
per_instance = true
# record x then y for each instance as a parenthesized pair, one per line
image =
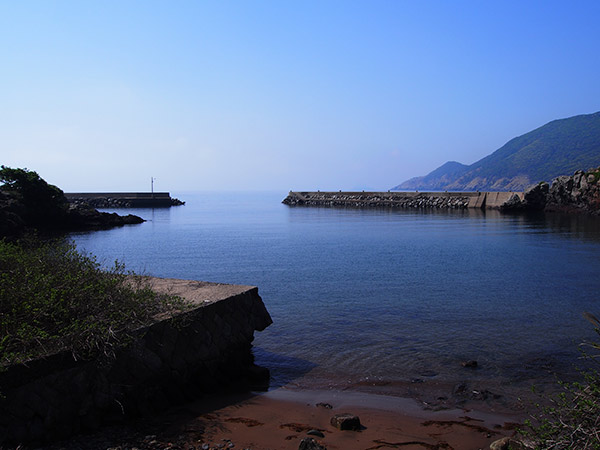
(560, 147)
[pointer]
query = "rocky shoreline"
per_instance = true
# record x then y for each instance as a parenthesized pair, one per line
(578, 193)
(29, 205)
(15, 219)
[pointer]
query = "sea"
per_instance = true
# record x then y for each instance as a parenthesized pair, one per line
(387, 301)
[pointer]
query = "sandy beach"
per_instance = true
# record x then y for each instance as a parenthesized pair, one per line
(280, 419)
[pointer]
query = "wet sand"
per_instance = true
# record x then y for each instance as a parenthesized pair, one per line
(281, 418)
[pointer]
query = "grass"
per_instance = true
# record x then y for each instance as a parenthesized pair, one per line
(570, 419)
(54, 298)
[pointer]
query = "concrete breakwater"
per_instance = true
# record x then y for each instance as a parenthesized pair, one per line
(171, 361)
(123, 199)
(392, 199)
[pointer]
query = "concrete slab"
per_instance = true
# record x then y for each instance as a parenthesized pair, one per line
(197, 292)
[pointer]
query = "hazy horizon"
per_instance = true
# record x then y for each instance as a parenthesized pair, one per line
(280, 95)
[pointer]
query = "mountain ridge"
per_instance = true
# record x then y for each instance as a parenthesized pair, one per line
(559, 147)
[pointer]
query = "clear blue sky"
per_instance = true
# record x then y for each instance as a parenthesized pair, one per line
(100, 96)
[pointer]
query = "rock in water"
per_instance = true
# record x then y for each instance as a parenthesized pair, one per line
(324, 405)
(514, 203)
(536, 196)
(346, 421)
(310, 444)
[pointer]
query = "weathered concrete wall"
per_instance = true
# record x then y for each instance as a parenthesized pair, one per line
(452, 200)
(171, 361)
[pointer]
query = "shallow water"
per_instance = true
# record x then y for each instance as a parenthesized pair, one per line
(385, 300)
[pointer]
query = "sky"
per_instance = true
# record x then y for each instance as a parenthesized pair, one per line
(101, 96)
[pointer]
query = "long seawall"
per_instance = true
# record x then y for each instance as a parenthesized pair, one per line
(123, 199)
(395, 199)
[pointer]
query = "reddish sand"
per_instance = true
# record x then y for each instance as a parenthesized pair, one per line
(281, 419)
(276, 422)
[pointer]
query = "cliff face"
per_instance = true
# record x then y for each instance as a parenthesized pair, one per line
(579, 192)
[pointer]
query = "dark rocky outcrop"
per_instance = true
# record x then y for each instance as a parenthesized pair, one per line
(82, 218)
(536, 196)
(29, 204)
(578, 193)
(14, 219)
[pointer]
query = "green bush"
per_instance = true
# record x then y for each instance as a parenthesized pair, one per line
(54, 298)
(570, 419)
(44, 204)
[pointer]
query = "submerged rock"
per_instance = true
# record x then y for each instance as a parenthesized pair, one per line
(324, 405)
(471, 364)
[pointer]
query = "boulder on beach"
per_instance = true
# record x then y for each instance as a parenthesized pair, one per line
(346, 421)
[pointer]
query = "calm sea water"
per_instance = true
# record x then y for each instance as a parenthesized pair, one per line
(390, 301)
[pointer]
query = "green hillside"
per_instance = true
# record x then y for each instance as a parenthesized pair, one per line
(558, 148)
(437, 179)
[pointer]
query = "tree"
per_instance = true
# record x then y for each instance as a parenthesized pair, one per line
(43, 203)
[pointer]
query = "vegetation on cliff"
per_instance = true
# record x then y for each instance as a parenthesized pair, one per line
(558, 148)
(54, 298)
(28, 203)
